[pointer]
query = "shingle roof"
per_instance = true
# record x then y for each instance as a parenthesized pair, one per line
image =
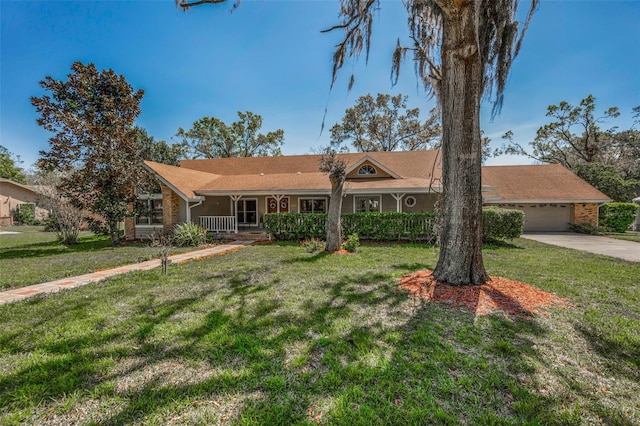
(296, 173)
(538, 183)
(416, 171)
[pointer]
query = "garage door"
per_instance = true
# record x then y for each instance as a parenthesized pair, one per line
(546, 217)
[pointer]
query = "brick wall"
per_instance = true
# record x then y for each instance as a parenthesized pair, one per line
(585, 213)
(170, 207)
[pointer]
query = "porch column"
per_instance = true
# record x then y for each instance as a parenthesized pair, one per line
(398, 198)
(235, 199)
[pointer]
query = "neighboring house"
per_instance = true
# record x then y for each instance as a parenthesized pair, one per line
(233, 194)
(13, 195)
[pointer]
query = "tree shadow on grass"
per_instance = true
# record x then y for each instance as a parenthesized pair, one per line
(349, 349)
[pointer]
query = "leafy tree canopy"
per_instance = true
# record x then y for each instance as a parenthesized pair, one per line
(384, 123)
(608, 158)
(9, 167)
(94, 144)
(608, 180)
(159, 151)
(575, 135)
(210, 137)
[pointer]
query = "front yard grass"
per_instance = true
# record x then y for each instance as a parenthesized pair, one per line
(273, 335)
(34, 256)
(628, 236)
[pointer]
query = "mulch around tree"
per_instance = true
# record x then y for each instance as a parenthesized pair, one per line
(497, 296)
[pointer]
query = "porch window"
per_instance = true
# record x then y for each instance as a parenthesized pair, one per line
(247, 211)
(313, 205)
(149, 211)
(367, 203)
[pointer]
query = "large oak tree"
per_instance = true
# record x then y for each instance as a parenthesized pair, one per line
(384, 123)
(463, 50)
(93, 147)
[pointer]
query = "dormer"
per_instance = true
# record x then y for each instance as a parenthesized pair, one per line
(368, 168)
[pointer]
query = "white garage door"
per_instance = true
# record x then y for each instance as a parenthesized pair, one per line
(546, 217)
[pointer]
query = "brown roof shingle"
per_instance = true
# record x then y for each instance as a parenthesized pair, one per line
(417, 171)
(538, 183)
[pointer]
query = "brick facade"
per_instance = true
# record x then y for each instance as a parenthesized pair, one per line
(585, 213)
(170, 207)
(129, 229)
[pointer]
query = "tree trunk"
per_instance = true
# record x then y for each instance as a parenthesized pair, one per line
(334, 227)
(460, 260)
(114, 232)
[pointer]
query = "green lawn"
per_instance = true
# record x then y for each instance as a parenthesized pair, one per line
(273, 335)
(629, 236)
(34, 256)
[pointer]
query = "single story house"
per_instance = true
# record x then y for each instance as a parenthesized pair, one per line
(12, 196)
(231, 195)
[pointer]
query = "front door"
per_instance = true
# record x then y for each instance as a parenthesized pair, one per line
(247, 212)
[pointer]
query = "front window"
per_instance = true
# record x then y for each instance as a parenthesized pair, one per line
(248, 211)
(313, 205)
(149, 211)
(367, 204)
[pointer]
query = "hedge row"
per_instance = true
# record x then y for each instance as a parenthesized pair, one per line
(498, 223)
(617, 216)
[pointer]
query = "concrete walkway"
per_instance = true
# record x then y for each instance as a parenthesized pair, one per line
(17, 294)
(625, 250)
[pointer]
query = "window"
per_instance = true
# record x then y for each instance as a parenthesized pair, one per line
(367, 169)
(247, 211)
(313, 205)
(367, 204)
(149, 210)
(410, 201)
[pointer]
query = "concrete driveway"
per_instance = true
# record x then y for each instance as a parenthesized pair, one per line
(626, 250)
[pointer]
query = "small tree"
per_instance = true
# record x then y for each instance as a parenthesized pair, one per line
(65, 219)
(336, 169)
(210, 137)
(385, 124)
(93, 147)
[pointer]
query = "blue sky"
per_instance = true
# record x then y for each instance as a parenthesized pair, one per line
(270, 58)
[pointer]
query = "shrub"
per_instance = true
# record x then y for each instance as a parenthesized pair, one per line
(617, 216)
(189, 235)
(313, 245)
(352, 243)
(26, 215)
(387, 226)
(498, 223)
(585, 228)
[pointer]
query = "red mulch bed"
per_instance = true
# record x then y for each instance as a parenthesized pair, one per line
(499, 295)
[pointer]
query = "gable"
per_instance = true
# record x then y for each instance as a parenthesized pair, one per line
(367, 170)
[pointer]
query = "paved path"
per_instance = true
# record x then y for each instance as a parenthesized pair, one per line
(80, 280)
(626, 250)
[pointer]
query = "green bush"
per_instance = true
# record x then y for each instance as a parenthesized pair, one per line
(387, 226)
(368, 226)
(189, 235)
(498, 223)
(26, 215)
(617, 217)
(352, 243)
(585, 228)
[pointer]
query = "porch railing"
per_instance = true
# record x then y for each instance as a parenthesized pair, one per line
(218, 223)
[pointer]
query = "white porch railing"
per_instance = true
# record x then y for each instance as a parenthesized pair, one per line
(218, 223)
